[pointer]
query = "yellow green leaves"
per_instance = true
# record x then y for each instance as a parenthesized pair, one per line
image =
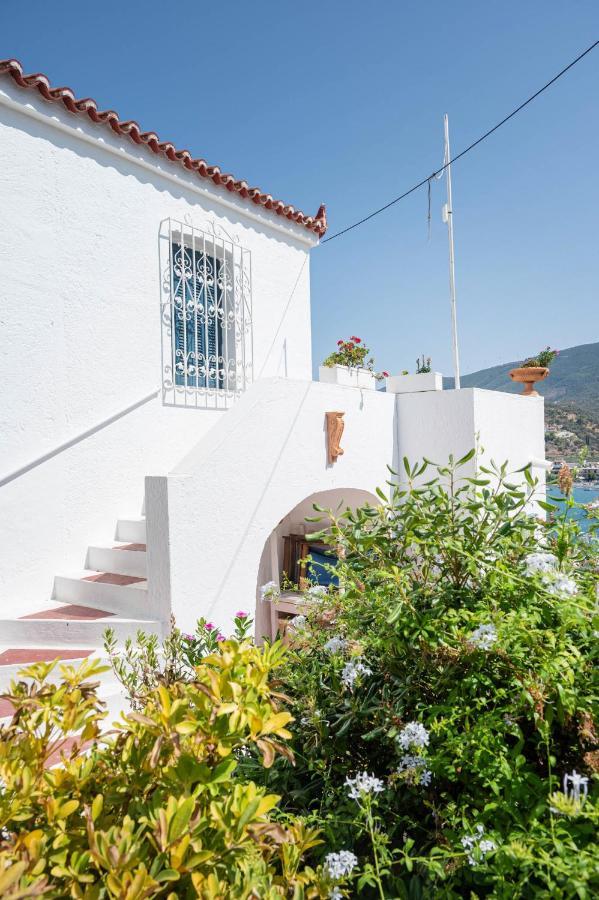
(178, 815)
(159, 807)
(275, 725)
(97, 806)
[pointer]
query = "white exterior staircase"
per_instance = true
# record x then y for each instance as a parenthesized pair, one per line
(112, 591)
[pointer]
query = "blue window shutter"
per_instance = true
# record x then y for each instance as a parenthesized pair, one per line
(188, 337)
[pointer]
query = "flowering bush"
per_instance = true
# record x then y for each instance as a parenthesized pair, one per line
(145, 663)
(445, 695)
(544, 358)
(445, 739)
(157, 807)
(355, 354)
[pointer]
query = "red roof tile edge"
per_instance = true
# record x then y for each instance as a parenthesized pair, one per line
(40, 82)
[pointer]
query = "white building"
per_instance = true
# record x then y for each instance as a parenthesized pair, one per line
(160, 430)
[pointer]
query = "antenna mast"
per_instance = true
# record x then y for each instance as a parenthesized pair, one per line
(448, 218)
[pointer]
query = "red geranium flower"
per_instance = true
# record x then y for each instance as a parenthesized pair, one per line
(385, 374)
(339, 343)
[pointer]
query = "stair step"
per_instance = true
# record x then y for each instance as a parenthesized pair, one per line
(111, 693)
(13, 659)
(6, 708)
(131, 530)
(110, 591)
(123, 558)
(78, 632)
(70, 611)
(23, 656)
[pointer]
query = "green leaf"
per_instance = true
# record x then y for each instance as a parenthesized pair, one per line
(97, 805)
(248, 812)
(168, 875)
(180, 820)
(223, 771)
(467, 457)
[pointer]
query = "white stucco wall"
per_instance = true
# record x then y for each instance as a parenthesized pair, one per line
(80, 316)
(209, 520)
(501, 426)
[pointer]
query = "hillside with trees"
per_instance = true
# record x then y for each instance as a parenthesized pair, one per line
(571, 393)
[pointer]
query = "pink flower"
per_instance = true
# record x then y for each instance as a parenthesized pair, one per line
(385, 374)
(241, 614)
(209, 626)
(220, 637)
(357, 340)
(339, 343)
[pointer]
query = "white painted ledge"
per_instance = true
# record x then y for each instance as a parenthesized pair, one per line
(347, 376)
(413, 384)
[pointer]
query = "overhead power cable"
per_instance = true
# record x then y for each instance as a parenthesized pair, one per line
(462, 153)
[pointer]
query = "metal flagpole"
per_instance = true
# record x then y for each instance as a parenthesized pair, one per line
(448, 218)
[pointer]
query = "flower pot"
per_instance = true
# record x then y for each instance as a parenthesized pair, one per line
(528, 376)
(412, 384)
(348, 376)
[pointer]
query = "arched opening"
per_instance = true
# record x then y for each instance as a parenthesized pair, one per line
(289, 531)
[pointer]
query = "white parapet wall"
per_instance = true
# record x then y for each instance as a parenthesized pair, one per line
(210, 519)
(500, 426)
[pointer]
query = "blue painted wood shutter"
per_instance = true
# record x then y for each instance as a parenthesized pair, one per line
(198, 297)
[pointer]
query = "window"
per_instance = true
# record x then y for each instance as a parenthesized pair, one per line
(206, 316)
(204, 342)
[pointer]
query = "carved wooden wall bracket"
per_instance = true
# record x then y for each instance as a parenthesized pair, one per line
(335, 426)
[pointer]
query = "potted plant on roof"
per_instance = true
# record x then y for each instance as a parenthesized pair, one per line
(534, 369)
(350, 365)
(424, 379)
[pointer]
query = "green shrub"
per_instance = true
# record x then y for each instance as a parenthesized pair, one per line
(157, 807)
(443, 694)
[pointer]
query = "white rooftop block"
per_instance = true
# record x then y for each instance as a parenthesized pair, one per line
(410, 384)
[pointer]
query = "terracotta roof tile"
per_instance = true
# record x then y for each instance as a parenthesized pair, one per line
(88, 106)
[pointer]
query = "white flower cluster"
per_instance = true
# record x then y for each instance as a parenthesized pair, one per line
(313, 718)
(483, 637)
(352, 671)
(298, 623)
(270, 591)
(363, 784)
(477, 846)
(540, 563)
(556, 583)
(413, 737)
(414, 769)
(340, 865)
(335, 645)
(575, 786)
(560, 584)
(315, 592)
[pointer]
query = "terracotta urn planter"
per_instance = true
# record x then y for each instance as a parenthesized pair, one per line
(528, 376)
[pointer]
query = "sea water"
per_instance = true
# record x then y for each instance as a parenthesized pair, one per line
(581, 494)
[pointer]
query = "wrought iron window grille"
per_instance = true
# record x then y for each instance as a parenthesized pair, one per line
(207, 341)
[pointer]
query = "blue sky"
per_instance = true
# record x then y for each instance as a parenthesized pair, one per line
(342, 102)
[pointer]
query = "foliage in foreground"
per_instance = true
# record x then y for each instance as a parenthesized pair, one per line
(157, 808)
(445, 728)
(445, 693)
